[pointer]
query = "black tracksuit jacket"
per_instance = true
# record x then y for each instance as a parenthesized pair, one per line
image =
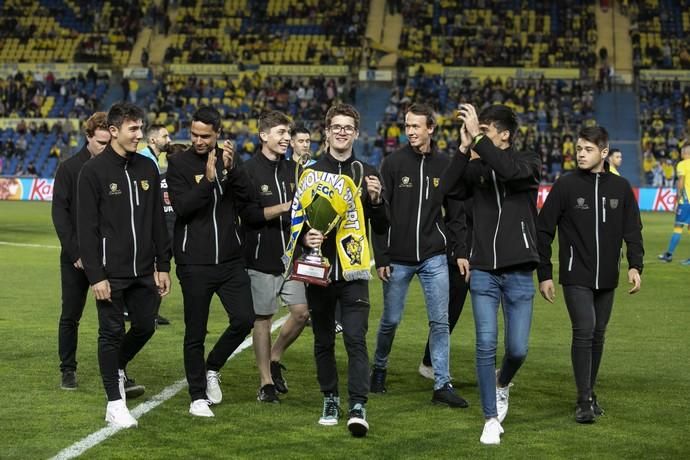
(417, 228)
(504, 185)
(273, 182)
(594, 213)
(64, 206)
(207, 228)
(121, 227)
(377, 215)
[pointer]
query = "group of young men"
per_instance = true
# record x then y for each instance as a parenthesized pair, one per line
(464, 221)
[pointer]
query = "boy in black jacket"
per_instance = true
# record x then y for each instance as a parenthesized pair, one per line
(125, 250)
(273, 182)
(75, 285)
(342, 128)
(415, 244)
(594, 211)
(206, 190)
(504, 184)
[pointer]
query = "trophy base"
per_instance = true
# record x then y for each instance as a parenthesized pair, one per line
(311, 271)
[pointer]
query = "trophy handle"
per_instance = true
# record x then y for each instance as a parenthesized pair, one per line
(300, 164)
(353, 167)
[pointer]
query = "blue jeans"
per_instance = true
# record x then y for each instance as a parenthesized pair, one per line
(433, 275)
(515, 290)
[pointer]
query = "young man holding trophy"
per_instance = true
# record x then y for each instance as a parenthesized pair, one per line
(329, 196)
(273, 183)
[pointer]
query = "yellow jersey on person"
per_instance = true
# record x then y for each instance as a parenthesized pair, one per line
(683, 170)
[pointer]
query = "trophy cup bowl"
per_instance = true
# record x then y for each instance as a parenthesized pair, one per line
(313, 267)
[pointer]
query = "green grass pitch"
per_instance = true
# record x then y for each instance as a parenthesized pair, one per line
(644, 380)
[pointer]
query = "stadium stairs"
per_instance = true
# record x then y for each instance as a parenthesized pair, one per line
(372, 99)
(617, 111)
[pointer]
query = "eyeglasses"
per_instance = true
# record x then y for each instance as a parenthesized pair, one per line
(349, 129)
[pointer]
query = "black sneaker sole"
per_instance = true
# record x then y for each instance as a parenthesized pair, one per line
(464, 405)
(135, 391)
(358, 427)
(585, 421)
(267, 401)
(63, 387)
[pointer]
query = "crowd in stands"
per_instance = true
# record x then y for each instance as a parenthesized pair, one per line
(102, 31)
(550, 112)
(664, 128)
(659, 34)
(34, 149)
(241, 99)
(36, 95)
(488, 33)
(247, 32)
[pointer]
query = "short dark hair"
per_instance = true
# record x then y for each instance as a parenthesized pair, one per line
(425, 110)
(300, 129)
(271, 119)
(612, 151)
(596, 135)
(502, 117)
(122, 111)
(153, 129)
(342, 109)
(174, 149)
(208, 116)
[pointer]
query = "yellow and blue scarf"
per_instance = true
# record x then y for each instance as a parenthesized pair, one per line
(351, 236)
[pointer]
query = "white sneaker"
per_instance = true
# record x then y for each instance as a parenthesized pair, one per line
(117, 414)
(426, 371)
(502, 395)
(121, 383)
(199, 407)
(213, 391)
(492, 432)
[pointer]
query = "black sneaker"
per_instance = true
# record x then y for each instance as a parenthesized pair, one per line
(447, 396)
(665, 257)
(378, 380)
(598, 411)
(162, 321)
(69, 380)
(267, 394)
(277, 376)
(132, 390)
(357, 421)
(584, 413)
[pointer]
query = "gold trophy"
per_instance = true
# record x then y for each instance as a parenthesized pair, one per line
(312, 267)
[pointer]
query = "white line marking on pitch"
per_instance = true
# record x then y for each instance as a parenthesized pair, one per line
(29, 245)
(101, 435)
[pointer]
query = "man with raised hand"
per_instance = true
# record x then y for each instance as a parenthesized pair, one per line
(504, 184)
(207, 190)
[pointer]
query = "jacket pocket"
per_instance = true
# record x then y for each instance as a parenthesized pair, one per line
(524, 234)
(603, 209)
(184, 240)
(136, 193)
(445, 241)
(258, 245)
(104, 258)
(570, 261)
